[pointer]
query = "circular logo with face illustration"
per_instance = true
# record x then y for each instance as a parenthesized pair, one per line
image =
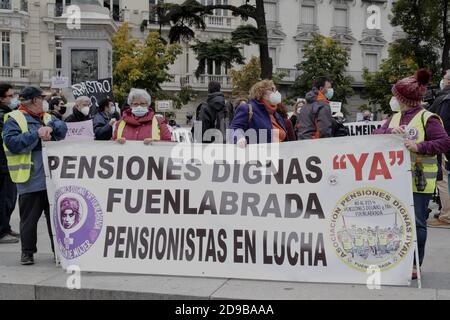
(370, 227)
(78, 220)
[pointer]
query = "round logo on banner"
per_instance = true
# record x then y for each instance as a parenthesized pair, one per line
(412, 134)
(371, 228)
(78, 220)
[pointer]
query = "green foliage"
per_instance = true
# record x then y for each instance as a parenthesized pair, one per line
(219, 50)
(397, 66)
(140, 65)
(245, 78)
(324, 56)
(423, 21)
(247, 34)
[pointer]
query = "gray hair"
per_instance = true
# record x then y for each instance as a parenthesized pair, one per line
(138, 94)
(447, 74)
(81, 99)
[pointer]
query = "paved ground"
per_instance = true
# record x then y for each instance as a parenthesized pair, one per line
(46, 281)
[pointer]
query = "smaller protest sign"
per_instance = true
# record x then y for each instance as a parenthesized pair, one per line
(77, 131)
(335, 106)
(60, 82)
(164, 105)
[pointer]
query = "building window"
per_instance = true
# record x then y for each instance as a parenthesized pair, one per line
(214, 68)
(273, 55)
(24, 52)
(84, 65)
(340, 18)
(307, 15)
(371, 62)
(5, 4)
(58, 47)
(24, 5)
(6, 49)
(271, 11)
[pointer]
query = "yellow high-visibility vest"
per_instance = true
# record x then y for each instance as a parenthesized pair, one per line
(19, 165)
(156, 132)
(429, 163)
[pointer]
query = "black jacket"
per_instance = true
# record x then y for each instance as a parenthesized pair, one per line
(3, 162)
(77, 116)
(102, 129)
(314, 120)
(442, 107)
(214, 105)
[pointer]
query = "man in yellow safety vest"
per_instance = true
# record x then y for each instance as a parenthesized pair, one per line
(23, 133)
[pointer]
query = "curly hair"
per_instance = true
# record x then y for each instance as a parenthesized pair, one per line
(259, 89)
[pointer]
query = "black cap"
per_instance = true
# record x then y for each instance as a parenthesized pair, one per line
(29, 93)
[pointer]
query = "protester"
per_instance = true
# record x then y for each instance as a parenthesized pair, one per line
(283, 111)
(441, 106)
(367, 116)
(81, 110)
(8, 190)
(213, 113)
(104, 120)
(57, 107)
(139, 122)
(260, 115)
(297, 107)
(314, 120)
(339, 129)
(425, 137)
(22, 134)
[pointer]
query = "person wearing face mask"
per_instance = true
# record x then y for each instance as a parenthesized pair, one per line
(23, 133)
(425, 138)
(315, 120)
(8, 190)
(104, 120)
(81, 110)
(139, 121)
(57, 107)
(260, 114)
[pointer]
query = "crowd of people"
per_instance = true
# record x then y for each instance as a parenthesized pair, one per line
(33, 117)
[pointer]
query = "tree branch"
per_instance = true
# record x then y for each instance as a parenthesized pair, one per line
(234, 9)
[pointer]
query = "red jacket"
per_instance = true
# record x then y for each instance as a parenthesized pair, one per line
(141, 128)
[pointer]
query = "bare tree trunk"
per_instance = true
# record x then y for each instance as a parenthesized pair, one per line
(266, 61)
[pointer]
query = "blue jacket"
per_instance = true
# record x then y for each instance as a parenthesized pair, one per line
(102, 129)
(260, 120)
(20, 143)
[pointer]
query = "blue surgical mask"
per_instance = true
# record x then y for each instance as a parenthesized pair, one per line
(329, 94)
(139, 111)
(14, 104)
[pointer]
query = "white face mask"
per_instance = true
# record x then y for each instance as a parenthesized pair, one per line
(298, 110)
(85, 110)
(45, 106)
(442, 84)
(275, 98)
(395, 105)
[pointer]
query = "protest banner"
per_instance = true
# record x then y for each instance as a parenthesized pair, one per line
(96, 90)
(363, 128)
(80, 131)
(324, 214)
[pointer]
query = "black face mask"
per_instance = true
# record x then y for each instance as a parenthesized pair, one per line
(62, 110)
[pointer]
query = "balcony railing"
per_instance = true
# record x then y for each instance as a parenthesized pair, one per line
(218, 21)
(24, 73)
(200, 84)
(290, 75)
(6, 72)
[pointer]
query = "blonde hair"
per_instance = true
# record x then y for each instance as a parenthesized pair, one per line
(259, 89)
